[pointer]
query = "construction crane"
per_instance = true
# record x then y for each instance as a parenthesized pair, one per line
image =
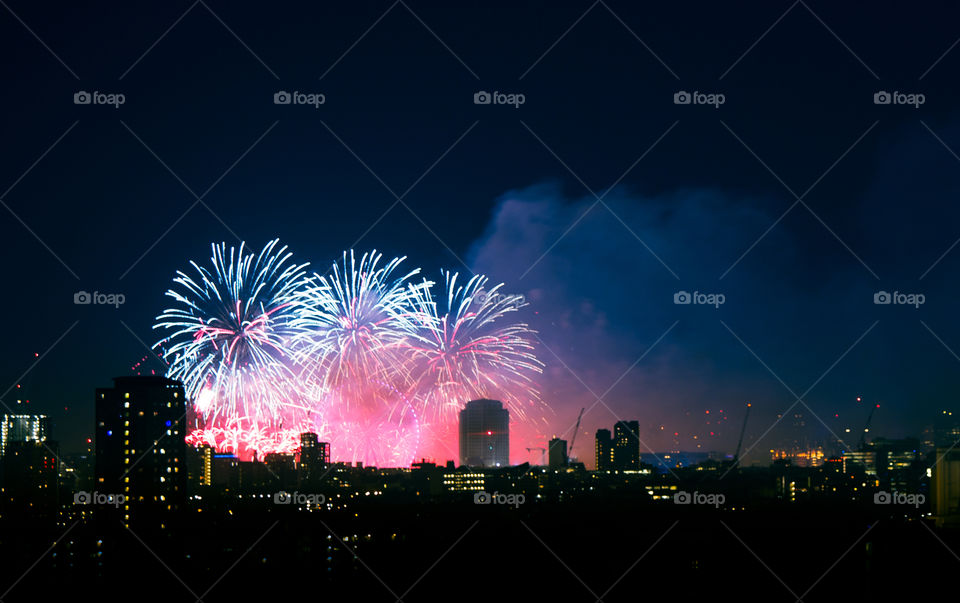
(543, 452)
(574, 438)
(866, 428)
(743, 430)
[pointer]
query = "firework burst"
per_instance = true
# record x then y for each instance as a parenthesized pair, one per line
(376, 364)
(466, 348)
(230, 331)
(353, 325)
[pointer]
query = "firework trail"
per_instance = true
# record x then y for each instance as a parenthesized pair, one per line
(231, 328)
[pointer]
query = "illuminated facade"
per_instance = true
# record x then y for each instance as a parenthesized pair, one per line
(813, 457)
(945, 487)
(603, 450)
(313, 457)
(459, 481)
(866, 459)
(141, 453)
(23, 428)
(484, 434)
(626, 445)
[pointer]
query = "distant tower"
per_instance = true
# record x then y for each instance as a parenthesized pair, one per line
(484, 434)
(626, 445)
(558, 453)
(140, 446)
(604, 450)
(313, 457)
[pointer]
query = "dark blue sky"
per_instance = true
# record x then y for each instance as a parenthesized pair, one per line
(499, 187)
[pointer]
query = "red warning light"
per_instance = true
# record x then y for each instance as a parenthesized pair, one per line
(489, 433)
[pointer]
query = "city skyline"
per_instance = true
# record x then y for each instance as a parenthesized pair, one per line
(697, 214)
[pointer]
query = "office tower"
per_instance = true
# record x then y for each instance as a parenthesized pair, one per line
(945, 487)
(484, 434)
(604, 450)
(866, 461)
(313, 457)
(141, 454)
(199, 466)
(23, 428)
(626, 445)
(557, 456)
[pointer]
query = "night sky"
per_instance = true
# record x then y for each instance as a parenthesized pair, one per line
(597, 199)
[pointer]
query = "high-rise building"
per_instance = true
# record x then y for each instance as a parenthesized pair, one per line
(141, 453)
(604, 450)
(557, 454)
(312, 458)
(866, 460)
(484, 434)
(23, 428)
(626, 445)
(945, 487)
